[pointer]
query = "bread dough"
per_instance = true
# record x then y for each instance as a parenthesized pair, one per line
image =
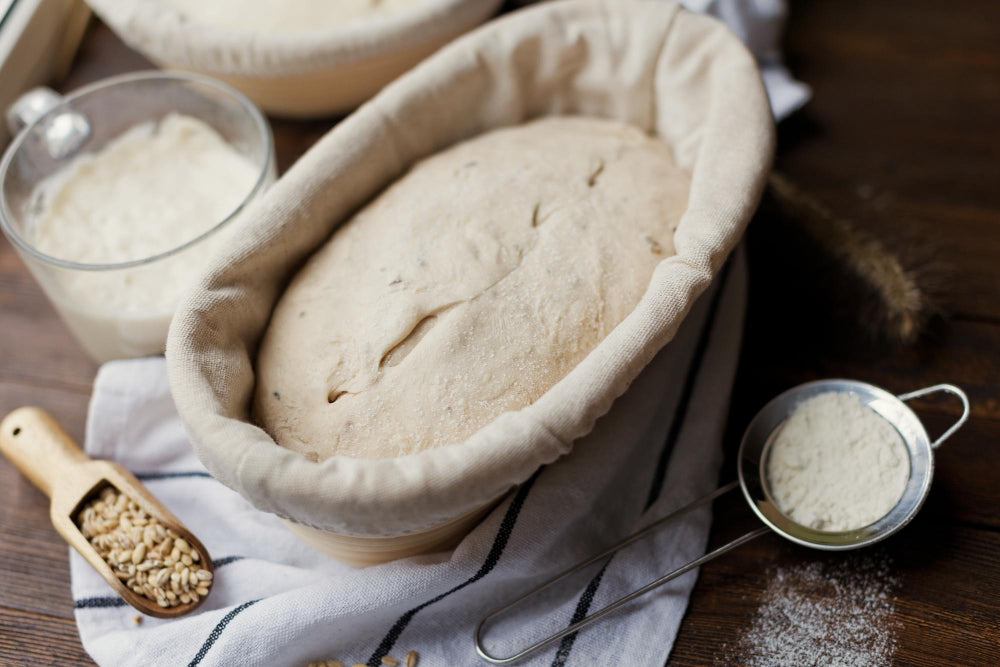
(283, 15)
(467, 288)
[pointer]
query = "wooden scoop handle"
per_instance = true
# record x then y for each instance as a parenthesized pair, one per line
(34, 441)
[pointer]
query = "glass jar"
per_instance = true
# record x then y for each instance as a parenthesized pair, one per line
(123, 309)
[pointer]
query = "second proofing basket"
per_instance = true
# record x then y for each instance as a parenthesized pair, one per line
(330, 69)
(677, 75)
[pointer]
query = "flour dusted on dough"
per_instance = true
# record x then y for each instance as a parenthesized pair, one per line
(284, 15)
(467, 288)
(836, 465)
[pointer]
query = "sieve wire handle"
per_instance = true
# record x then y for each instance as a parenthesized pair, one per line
(948, 389)
(739, 541)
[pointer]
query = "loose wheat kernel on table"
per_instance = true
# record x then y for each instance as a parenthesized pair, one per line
(149, 558)
(411, 658)
(389, 660)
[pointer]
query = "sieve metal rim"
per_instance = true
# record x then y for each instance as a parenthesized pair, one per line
(760, 434)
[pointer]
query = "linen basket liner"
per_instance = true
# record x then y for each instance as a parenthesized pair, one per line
(160, 31)
(668, 71)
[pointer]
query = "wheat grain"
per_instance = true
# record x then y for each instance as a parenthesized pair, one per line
(134, 543)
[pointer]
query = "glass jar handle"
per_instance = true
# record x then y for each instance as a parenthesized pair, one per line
(63, 133)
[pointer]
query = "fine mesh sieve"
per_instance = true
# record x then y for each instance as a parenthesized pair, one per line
(752, 454)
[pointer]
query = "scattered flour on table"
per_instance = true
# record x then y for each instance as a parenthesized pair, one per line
(836, 464)
(836, 612)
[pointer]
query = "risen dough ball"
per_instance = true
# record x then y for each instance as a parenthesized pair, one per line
(284, 15)
(467, 288)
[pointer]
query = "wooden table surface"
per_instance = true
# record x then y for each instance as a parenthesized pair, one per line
(903, 136)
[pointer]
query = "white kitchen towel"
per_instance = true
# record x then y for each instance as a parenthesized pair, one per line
(277, 602)
(759, 24)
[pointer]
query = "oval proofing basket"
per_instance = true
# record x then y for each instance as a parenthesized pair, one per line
(302, 74)
(675, 74)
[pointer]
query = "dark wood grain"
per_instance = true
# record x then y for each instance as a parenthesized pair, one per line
(903, 127)
(34, 568)
(903, 136)
(27, 638)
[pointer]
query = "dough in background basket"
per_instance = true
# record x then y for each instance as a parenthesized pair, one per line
(298, 58)
(280, 15)
(468, 288)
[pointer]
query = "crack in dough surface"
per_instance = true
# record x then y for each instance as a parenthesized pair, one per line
(467, 288)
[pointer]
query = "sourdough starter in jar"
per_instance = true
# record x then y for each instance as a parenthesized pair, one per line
(153, 189)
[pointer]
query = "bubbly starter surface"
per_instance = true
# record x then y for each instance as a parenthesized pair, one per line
(152, 189)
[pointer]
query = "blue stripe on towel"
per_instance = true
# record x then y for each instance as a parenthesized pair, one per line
(154, 476)
(217, 632)
(99, 602)
(492, 558)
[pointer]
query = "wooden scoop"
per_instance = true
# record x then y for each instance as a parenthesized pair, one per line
(34, 442)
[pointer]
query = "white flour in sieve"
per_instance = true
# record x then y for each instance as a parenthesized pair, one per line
(837, 612)
(836, 465)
